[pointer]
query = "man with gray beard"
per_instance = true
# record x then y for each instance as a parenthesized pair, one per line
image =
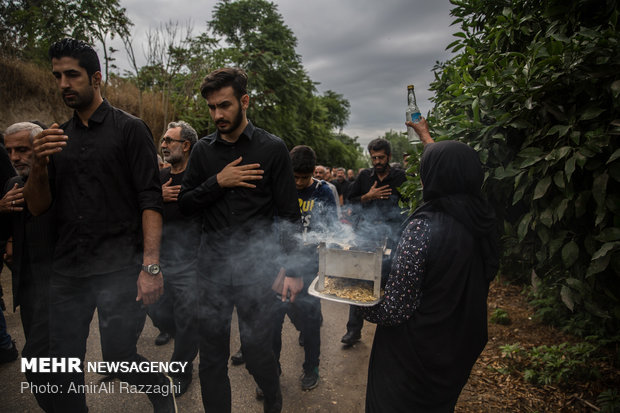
(321, 173)
(29, 254)
(175, 312)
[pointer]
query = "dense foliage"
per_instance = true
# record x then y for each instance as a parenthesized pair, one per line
(28, 27)
(535, 89)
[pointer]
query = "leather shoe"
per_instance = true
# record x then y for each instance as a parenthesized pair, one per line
(9, 354)
(162, 338)
(237, 358)
(351, 337)
(181, 384)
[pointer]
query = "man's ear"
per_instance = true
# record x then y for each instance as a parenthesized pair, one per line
(245, 101)
(97, 76)
(187, 146)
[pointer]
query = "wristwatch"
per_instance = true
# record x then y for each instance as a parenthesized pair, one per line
(153, 269)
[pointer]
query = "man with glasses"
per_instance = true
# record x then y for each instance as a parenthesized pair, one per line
(175, 312)
(378, 215)
(321, 173)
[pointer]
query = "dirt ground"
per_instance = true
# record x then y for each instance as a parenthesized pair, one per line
(343, 371)
(490, 390)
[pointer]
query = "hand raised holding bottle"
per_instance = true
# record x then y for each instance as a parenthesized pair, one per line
(421, 128)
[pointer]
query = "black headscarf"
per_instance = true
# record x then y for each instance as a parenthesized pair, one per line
(452, 179)
(422, 364)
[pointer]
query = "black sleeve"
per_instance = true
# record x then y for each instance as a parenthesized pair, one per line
(6, 168)
(144, 168)
(164, 175)
(6, 172)
(287, 208)
(404, 285)
(355, 191)
(199, 189)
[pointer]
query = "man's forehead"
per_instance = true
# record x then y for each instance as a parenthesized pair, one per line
(21, 138)
(227, 93)
(173, 132)
(378, 153)
(66, 63)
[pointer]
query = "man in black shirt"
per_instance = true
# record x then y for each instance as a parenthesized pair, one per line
(30, 256)
(176, 311)
(99, 173)
(341, 184)
(240, 178)
(8, 350)
(377, 215)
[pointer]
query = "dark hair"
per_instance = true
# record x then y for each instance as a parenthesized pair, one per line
(78, 49)
(380, 144)
(303, 159)
(227, 76)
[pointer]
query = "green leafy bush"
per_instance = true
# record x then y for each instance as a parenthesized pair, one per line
(609, 400)
(558, 364)
(500, 316)
(535, 89)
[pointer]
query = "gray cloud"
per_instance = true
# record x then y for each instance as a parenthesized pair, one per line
(366, 50)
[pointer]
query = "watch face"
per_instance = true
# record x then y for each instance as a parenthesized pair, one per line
(152, 269)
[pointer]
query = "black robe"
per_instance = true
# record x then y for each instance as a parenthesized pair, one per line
(422, 364)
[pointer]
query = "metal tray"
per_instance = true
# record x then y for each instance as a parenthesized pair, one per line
(313, 291)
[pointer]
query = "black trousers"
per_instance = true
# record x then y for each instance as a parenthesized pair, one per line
(254, 305)
(356, 320)
(305, 313)
(176, 314)
(72, 305)
(33, 296)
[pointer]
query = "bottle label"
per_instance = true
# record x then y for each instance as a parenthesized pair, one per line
(415, 117)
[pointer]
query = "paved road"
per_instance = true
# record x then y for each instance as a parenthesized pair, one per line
(341, 389)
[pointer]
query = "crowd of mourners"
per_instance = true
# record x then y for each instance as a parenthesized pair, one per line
(95, 216)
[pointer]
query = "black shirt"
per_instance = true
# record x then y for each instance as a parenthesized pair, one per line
(242, 245)
(379, 217)
(181, 234)
(6, 168)
(342, 187)
(101, 182)
(6, 171)
(33, 241)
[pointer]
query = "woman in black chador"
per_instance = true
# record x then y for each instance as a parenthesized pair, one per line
(432, 324)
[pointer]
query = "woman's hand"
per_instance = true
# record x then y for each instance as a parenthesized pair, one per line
(421, 128)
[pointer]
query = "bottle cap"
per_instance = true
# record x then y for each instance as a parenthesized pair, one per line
(409, 86)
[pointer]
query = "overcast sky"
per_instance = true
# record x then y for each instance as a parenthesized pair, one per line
(366, 50)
